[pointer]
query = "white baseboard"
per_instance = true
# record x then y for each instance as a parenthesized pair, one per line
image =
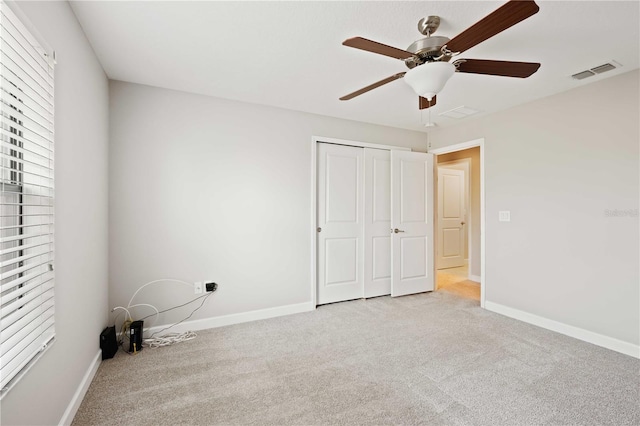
(239, 318)
(568, 330)
(73, 406)
(475, 278)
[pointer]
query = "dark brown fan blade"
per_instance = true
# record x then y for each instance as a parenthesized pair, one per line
(502, 18)
(375, 47)
(372, 86)
(502, 68)
(423, 103)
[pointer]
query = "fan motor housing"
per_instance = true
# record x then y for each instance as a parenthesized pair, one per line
(427, 49)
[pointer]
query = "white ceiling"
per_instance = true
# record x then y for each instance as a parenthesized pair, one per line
(289, 54)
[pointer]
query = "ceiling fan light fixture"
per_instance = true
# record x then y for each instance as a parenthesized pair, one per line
(428, 80)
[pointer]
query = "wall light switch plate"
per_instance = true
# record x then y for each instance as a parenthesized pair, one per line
(197, 287)
(504, 216)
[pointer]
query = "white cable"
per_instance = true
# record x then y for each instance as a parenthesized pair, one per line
(156, 281)
(169, 339)
(124, 309)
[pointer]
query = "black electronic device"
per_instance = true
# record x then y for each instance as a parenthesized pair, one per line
(108, 342)
(135, 336)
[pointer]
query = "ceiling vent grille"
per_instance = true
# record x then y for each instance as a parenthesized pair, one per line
(603, 68)
(596, 70)
(582, 75)
(459, 112)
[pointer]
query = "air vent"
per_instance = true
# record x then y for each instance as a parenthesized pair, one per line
(459, 112)
(582, 75)
(603, 68)
(596, 70)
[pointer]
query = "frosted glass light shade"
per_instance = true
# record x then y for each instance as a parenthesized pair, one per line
(429, 79)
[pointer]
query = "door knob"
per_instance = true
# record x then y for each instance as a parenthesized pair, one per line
(462, 223)
(397, 230)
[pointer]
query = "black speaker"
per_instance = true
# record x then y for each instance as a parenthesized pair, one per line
(135, 336)
(108, 342)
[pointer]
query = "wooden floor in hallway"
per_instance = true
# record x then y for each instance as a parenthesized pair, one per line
(456, 281)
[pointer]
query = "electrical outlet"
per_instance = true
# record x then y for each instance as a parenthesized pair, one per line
(197, 287)
(210, 286)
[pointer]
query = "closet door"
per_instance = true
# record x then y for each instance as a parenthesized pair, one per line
(377, 222)
(340, 223)
(412, 222)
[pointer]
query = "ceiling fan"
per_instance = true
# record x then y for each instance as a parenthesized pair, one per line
(428, 59)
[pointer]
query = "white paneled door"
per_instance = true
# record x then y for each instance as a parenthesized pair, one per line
(377, 223)
(340, 223)
(411, 222)
(451, 217)
(363, 195)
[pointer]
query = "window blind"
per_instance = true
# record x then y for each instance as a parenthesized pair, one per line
(26, 199)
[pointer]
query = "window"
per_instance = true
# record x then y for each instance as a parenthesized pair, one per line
(26, 199)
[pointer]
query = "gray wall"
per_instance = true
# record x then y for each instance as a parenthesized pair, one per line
(205, 188)
(81, 124)
(558, 164)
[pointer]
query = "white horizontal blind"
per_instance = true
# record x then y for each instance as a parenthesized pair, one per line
(26, 199)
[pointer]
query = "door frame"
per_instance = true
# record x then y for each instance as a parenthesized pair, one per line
(315, 140)
(460, 147)
(466, 162)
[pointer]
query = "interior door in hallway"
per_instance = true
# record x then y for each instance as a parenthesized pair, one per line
(412, 222)
(451, 217)
(340, 223)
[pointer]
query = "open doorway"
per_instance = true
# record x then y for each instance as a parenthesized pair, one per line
(454, 223)
(458, 220)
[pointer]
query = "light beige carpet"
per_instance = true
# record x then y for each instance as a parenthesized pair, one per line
(428, 359)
